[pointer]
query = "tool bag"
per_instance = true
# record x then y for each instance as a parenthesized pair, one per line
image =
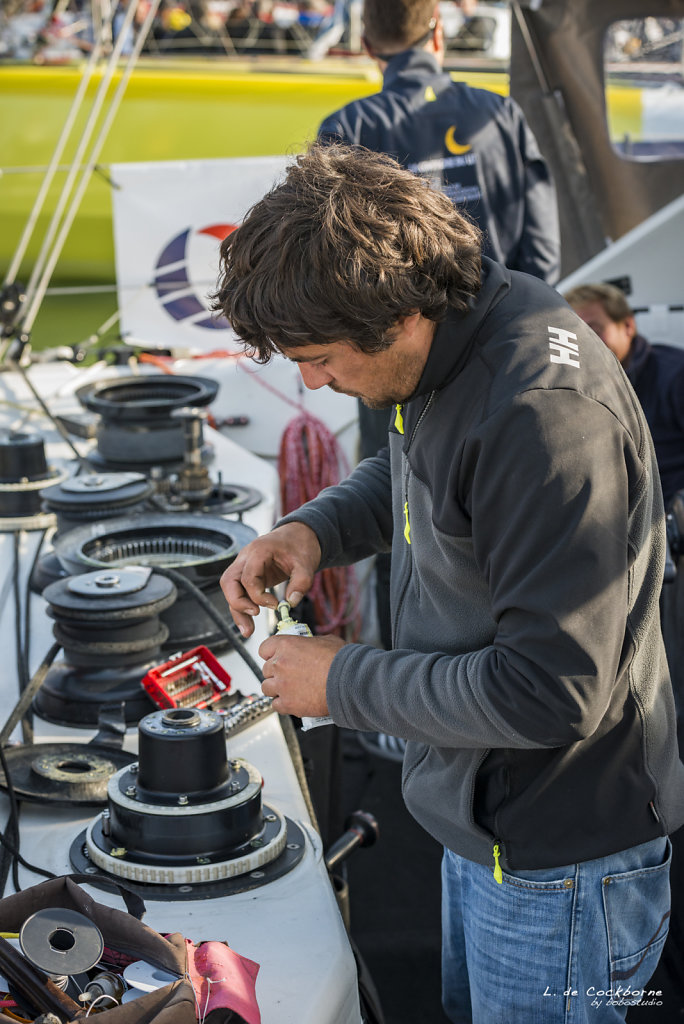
(215, 984)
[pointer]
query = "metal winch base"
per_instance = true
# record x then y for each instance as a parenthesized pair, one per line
(206, 889)
(214, 832)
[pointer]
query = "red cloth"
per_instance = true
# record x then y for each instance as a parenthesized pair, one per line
(232, 980)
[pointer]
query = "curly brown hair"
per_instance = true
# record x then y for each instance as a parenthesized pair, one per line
(348, 244)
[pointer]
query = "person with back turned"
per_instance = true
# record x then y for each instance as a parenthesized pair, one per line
(519, 494)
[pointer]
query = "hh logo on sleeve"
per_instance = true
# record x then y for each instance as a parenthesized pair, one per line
(563, 350)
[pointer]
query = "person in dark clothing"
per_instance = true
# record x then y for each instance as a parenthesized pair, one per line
(519, 495)
(656, 372)
(474, 145)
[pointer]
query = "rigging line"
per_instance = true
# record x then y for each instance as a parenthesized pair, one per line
(532, 54)
(22, 667)
(77, 162)
(97, 147)
(53, 166)
(31, 168)
(60, 291)
(26, 698)
(27, 601)
(13, 825)
(53, 419)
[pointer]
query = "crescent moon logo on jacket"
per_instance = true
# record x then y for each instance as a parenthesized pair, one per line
(452, 145)
(177, 291)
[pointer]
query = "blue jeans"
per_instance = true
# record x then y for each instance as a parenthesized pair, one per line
(569, 945)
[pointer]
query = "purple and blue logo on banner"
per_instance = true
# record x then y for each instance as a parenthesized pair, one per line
(177, 293)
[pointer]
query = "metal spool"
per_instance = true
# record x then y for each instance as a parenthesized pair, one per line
(23, 473)
(137, 424)
(108, 623)
(198, 546)
(91, 497)
(213, 829)
(61, 941)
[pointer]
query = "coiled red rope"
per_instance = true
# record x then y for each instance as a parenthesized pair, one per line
(310, 459)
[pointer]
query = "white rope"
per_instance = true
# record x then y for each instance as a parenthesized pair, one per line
(54, 165)
(46, 263)
(99, 999)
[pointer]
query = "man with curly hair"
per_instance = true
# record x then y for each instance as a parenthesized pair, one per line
(473, 144)
(519, 495)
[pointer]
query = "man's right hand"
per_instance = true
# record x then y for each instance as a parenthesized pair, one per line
(290, 552)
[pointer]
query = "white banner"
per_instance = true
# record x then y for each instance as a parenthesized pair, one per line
(169, 220)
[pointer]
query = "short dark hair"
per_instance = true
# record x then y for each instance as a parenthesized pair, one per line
(340, 250)
(391, 26)
(611, 298)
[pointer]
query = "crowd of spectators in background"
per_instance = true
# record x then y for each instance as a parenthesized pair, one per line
(62, 31)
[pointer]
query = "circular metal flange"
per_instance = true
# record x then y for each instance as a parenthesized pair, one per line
(101, 483)
(190, 541)
(247, 783)
(74, 768)
(252, 855)
(41, 521)
(63, 774)
(154, 395)
(207, 887)
(231, 499)
(110, 595)
(137, 422)
(129, 580)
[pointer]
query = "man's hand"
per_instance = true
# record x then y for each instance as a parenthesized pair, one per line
(296, 672)
(290, 552)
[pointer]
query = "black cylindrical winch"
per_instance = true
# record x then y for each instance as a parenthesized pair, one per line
(108, 623)
(212, 828)
(137, 422)
(182, 752)
(23, 473)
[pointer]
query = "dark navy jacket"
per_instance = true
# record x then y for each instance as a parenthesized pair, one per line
(472, 144)
(656, 373)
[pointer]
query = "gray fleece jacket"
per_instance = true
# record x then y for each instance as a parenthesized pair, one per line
(521, 499)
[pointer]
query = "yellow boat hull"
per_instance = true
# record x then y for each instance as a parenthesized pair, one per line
(170, 111)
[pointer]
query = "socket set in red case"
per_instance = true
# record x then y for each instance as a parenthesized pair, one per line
(190, 679)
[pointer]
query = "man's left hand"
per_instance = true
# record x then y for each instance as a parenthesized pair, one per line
(296, 672)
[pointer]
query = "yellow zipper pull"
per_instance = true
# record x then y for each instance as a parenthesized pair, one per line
(407, 528)
(399, 419)
(498, 873)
